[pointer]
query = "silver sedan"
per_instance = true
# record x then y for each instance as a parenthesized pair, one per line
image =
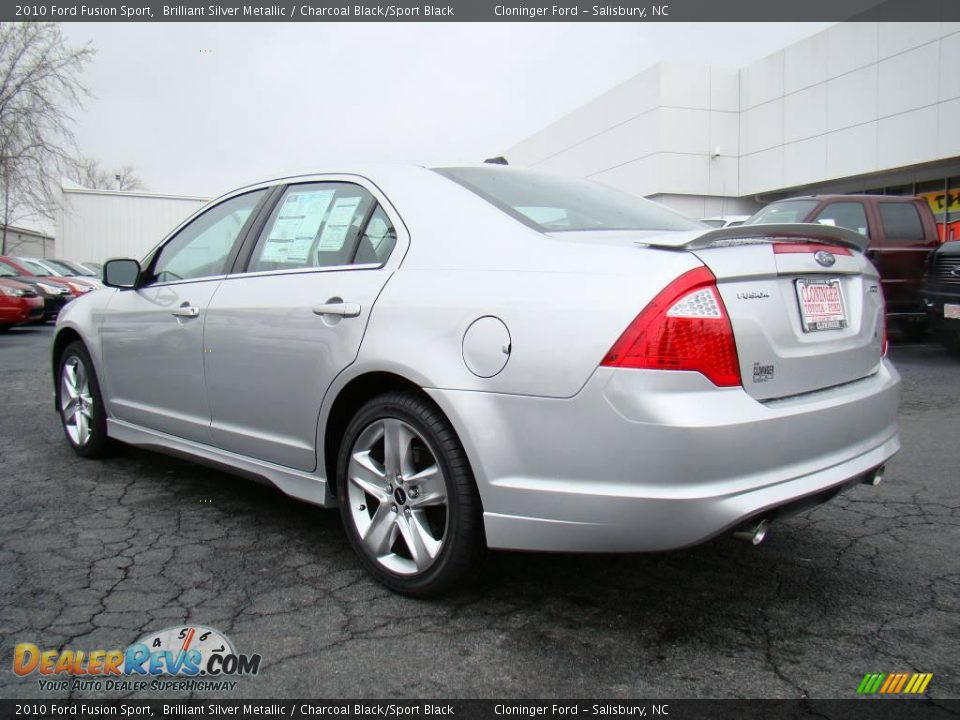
(472, 357)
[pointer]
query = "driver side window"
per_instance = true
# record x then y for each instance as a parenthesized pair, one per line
(202, 248)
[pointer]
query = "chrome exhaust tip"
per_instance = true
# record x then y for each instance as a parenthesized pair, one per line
(876, 477)
(753, 533)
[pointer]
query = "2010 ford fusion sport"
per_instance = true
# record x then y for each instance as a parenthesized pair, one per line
(485, 356)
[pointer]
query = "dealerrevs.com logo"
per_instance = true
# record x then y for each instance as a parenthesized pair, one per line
(187, 658)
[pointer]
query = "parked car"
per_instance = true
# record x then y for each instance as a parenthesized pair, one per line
(719, 221)
(27, 269)
(941, 294)
(97, 268)
(901, 232)
(19, 303)
(55, 269)
(54, 294)
(75, 269)
(469, 355)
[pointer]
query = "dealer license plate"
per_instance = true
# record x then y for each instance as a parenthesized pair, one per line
(821, 304)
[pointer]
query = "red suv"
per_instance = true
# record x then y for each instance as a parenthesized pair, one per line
(901, 232)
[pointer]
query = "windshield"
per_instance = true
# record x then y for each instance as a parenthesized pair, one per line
(7, 271)
(785, 211)
(36, 268)
(79, 268)
(61, 266)
(554, 204)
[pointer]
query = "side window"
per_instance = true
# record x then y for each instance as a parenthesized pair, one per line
(323, 225)
(203, 247)
(377, 240)
(848, 215)
(901, 221)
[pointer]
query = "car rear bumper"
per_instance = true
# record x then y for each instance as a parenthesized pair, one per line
(645, 460)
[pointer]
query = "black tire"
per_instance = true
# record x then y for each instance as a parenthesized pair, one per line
(97, 443)
(463, 537)
(914, 331)
(949, 336)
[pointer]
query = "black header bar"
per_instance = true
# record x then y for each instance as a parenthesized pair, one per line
(481, 10)
(861, 709)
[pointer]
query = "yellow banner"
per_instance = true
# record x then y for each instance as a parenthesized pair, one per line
(942, 202)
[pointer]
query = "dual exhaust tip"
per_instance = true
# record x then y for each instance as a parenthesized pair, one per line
(755, 531)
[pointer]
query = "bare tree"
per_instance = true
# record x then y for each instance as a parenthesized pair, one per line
(127, 179)
(39, 88)
(89, 173)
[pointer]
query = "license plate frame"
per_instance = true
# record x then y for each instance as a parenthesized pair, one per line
(819, 315)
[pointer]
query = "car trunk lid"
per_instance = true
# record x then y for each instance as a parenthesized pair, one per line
(806, 315)
(768, 276)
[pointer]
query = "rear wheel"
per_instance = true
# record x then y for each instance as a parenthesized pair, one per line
(80, 403)
(407, 496)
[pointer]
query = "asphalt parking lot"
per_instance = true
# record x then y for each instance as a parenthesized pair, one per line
(95, 554)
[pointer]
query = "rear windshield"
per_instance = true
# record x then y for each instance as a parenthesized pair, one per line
(787, 211)
(554, 204)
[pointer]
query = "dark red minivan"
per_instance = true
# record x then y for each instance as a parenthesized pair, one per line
(901, 233)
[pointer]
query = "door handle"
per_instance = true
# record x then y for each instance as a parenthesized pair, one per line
(187, 311)
(343, 309)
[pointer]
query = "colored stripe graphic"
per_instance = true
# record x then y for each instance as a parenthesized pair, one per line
(922, 687)
(870, 683)
(894, 683)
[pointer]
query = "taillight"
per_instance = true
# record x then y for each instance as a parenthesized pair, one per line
(685, 327)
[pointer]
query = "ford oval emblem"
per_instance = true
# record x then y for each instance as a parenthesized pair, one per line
(824, 258)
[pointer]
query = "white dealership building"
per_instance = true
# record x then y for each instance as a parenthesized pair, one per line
(95, 225)
(859, 107)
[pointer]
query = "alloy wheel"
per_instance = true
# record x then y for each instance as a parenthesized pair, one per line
(398, 496)
(76, 401)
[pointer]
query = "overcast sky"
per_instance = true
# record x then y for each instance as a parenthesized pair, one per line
(203, 108)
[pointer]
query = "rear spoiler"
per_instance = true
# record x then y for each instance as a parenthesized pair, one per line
(804, 232)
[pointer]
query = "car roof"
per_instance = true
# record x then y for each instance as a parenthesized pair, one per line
(852, 196)
(371, 170)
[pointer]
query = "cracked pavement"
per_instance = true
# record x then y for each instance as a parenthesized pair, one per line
(93, 554)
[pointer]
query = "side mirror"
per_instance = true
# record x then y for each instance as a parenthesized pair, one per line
(121, 273)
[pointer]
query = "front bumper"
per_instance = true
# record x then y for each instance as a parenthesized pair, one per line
(53, 304)
(645, 460)
(933, 301)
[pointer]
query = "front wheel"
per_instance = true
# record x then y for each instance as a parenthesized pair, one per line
(408, 499)
(80, 403)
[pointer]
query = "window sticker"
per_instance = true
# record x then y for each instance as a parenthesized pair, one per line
(335, 231)
(296, 225)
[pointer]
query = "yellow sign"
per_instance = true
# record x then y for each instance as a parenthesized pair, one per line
(943, 202)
